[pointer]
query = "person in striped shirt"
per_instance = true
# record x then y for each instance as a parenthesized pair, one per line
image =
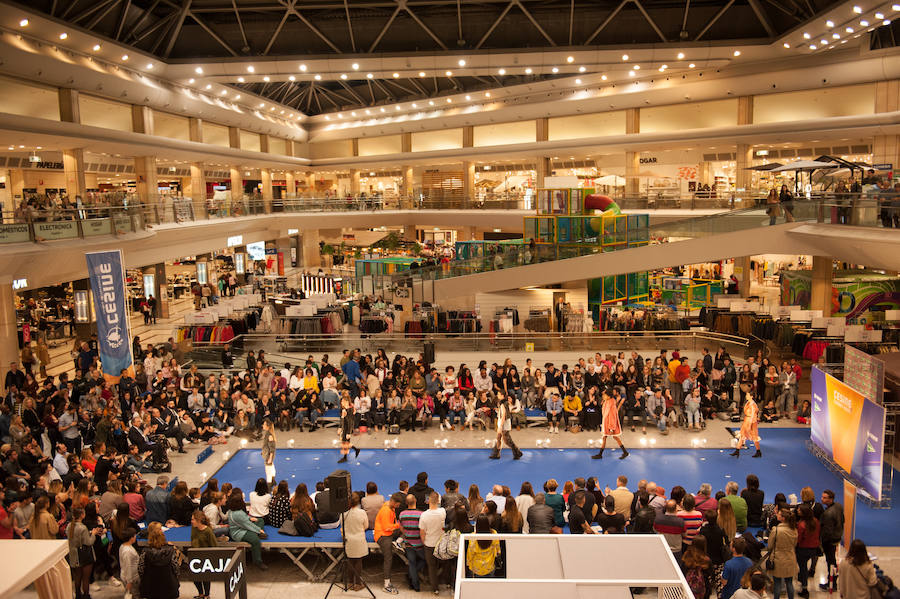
(415, 548)
(693, 519)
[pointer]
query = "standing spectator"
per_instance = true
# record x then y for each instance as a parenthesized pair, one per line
(355, 523)
(431, 525)
(128, 562)
(832, 526)
(857, 573)
(415, 552)
(387, 529)
(671, 527)
(692, 517)
(158, 566)
(783, 544)
(738, 504)
(735, 568)
(81, 556)
(755, 498)
(201, 536)
(157, 500)
(807, 546)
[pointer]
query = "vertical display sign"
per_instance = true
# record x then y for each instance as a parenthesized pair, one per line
(280, 264)
(849, 428)
(849, 513)
(239, 263)
(107, 279)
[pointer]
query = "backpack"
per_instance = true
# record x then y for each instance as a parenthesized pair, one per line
(448, 545)
(697, 581)
(306, 526)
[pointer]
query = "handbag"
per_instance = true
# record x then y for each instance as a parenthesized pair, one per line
(447, 547)
(574, 429)
(86, 555)
(770, 558)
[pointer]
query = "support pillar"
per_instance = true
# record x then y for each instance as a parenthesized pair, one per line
(266, 176)
(543, 169)
(237, 187)
(160, 289)
(743, 176)
(743, 274)
(16, 187)
(632, 159)
(311, 185)
(197, 190)
(542, 129)
(467, 234)
(147, 180)
(469, 182)
(407, 189)
(142, 119)
(73, 165)
(290, 184)
(820, 289)
(310, 256)
(354, 182)
(69, 106)
(468, 136)
(409, 233)
(9, 349)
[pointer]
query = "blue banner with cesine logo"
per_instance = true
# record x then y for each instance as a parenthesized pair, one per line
(113, 332)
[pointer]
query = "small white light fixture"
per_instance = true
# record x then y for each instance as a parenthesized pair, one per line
(303, 68)
(262, 105)
(353, 113)
(501, 71)
(223, 92)
(317, 77)
(681, 56)
(528, 71)
(487, 94)
(806, 36)
(849, 29)
(431, 102)
(344, 76)
(823, 42)
(555, 70)
(886, 22)
(624, 57)
(237, 96)
(637, 67)
(449, 101)
(582, 69)
(396, 75)
(449, 73)
(23, 23)
(737, 53)
(829, 23)
(266, 79)
(291, 78)
(461, 62)
(421, 73)
(370, 76)
(787, 45)
(879, 16)
(241, 79)
(857, 10)
(603, 77)
(199, 70)
(691, 66)
(124, 57)
(468, 98)
(191, 80)
(96, 48)
(812, 46)
(578, 82)
(397, 107)
(251, 69)
(63, 35)
(208, 86)
(895, 8)
(836, 36)
(864, 23)
(631, 73)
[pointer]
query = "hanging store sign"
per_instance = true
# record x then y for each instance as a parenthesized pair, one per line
(107, 279)
(19, 284)
(235, 240)
(14, 233)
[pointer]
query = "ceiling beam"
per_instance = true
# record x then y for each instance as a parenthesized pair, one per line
(122, 17)
(179, 23)
(102, 15)
(714, 19)
(213, 34)
(349, 25)
(535, 23)
(278, 29)
(384, 29)
(763, 17)
(493, 26)
(240, 22)
(606, 22)
(653, 24)
(353, 93)
(141, 20)
(426, 28)
(315, 30)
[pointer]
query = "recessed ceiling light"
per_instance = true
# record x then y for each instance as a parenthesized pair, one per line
(421, 73)
(191, 80)
(528, 71)
(303, 67)
(355, 66)
(468, 98)
(396, 75)
(823, 42)
(397, 107)
(368, 111)
(261, 105)
(23, 23)
(382, 109)
(631, 73)
(812, 46)
(737, 53)
(96, 48)
(344, 76)
(317, 77)
(266, 79)
(449, 73)
(849, 29)
(501, 71)
(603, 77)
(570, 59)
(449, 101)
(637, 67)
(680, 55)
(461, 62)
(291, 78)
(836, 36)
(237, 96)
(431, 102)
(369, 76)
(691, 66)
(829, 23)
(124, 57)
(806, 36)
(886, 22)
(578, 82)
(879, 16)
(864, 23)
(857, 10)
(271, 108)
(241, 79)
(340, 116)
(582, 69)
(223, 92)
(251, 69)
(414, 105)
(895, 8)
(63, 35)
(555, 70)
(327, 118)
(353, 113)
(487, 94)
(624, 57)
(786, 45)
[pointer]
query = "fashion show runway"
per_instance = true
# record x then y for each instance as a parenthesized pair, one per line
(786, 466)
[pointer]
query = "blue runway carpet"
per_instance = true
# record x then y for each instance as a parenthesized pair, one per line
(786, 466)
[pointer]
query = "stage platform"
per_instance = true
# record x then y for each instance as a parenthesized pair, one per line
(786, 466)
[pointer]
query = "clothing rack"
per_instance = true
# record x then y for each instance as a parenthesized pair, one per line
(424, 319)
(377, 321)
(539, 320)
(463, 321)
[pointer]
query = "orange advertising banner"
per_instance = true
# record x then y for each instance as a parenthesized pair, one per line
(849, 513)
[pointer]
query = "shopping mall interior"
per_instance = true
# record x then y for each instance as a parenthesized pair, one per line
(255, 255)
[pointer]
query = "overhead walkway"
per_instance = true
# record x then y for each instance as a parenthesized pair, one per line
(706, 239)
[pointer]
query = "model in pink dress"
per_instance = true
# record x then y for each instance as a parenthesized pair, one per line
(749, 428)
(611, 403)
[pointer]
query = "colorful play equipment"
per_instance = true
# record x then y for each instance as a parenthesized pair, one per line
(684, 292)
(478, 248)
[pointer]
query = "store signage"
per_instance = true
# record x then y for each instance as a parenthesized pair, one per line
(235, 240)
(293, 231)
(219, 564)
(107, 279)
(20, 283)
(56, 166)
(648, 160)
(14, 233)
(885, 166)
(96, 226)
(57, 230)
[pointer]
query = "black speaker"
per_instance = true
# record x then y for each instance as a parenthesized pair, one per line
(428, 353)
(339, 489)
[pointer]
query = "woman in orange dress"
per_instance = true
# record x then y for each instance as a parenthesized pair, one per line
(611, 402)
(749, 428)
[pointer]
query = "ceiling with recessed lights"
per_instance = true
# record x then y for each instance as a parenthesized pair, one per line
(378, 32)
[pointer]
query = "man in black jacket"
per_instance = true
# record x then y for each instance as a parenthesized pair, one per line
(14, 378)
(421, 491)
(831, 532)
(644, 517)
(540, 516)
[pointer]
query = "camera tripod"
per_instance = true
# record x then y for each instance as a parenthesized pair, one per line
(341, 574)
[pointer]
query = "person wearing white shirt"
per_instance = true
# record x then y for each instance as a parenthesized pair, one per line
(431, 526)
(524, 501)
(295, 381)
(482, 381)
(496, 495)
(259, 500)
(361, 406)
(59, 460)
(329, 394)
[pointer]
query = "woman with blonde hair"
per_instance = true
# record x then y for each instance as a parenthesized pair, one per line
(726, 519)
(158, 566)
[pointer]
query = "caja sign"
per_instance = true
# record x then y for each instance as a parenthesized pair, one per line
(219, 564)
